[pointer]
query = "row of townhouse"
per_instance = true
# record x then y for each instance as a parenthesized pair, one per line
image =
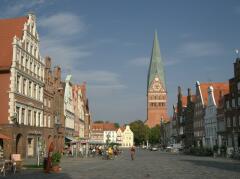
(37, 108)
(105, 133)
(209, 117)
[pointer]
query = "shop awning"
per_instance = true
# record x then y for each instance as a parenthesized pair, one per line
(69, 139)
(2, 136)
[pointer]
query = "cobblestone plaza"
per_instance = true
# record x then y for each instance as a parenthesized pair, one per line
(147, 164)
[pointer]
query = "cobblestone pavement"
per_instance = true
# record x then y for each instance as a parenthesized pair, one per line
(148, 164)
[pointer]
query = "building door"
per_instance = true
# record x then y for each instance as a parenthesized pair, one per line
(19, 145)
(30, 147)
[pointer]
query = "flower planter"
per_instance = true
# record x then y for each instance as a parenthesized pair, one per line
(56, 168)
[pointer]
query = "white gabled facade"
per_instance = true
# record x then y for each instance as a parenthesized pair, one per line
(27, 77)
(210, 120)
(68, 106)
(110, 136)
(125, 137)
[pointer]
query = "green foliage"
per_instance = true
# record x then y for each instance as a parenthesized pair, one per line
(154, 134)
(116, 125)
(56, 158)
(99, 122)
(142, 133)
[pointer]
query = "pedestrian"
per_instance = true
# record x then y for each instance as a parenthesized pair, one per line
(49, 158)
(132, 151)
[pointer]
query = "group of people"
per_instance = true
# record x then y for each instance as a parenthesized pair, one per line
(106, 152)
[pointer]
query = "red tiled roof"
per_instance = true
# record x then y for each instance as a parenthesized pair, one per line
(184, 101)
(97, 126)
(109, 127)
(219, 88)
(104, 126)
(8, 29)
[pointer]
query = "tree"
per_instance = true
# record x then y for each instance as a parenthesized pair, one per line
(116, 125)
(99, 122)
(140, 130)
(154, 135)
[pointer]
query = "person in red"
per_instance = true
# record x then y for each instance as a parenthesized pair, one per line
(132, 151)
(49, 158)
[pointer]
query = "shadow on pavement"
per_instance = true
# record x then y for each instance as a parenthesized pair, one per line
(37, 175)
(235, 167)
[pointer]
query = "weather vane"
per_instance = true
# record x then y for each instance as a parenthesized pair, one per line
(237, 52)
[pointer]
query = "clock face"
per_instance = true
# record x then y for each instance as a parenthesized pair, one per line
(156, 86)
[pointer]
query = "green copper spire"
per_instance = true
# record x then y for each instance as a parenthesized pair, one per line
(156, 64)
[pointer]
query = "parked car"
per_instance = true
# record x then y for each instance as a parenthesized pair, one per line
(154, 149)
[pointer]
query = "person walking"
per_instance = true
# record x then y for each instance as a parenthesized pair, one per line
(132, 152)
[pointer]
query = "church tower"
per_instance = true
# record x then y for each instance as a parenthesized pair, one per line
(156, 88)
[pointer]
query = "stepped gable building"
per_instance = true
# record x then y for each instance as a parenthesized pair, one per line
(232, 109)
(22, 84)
(156, 88)
(215, 96)
(189, 114)
(199, 109)
(87, 114)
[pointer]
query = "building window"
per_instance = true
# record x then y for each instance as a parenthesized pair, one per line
(30, 89)
(49, 121)
(39, 93)
(234, 121)
(29, 117)
(35, 91)
(233, 103)
(18, 83)
(228, 122)
(18, 114)
(239, 120)
(39, 119)
(34, 118)
(23, 116)
(227, 104)
(24, 86)
(238, 101)
(26, 65)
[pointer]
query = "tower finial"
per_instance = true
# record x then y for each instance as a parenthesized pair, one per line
(237, 52)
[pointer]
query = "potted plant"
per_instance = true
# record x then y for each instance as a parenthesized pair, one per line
(56, 158)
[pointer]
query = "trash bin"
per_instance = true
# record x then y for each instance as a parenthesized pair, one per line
(45, 163)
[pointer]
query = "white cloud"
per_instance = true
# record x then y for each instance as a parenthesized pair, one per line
(200, 49)
(21, 6)
(63, 24)
(171, 61)
(62, 42)
(140, 61)
(61, 31)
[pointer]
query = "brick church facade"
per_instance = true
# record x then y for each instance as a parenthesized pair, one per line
(156, 89)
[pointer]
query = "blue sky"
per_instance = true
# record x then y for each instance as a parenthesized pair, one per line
(108, 44)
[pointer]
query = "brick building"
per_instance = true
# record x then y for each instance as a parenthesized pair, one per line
(53, 105)
(156, 88)
(189, 114)
(232, 109)
(200, 109)
(22, 83)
